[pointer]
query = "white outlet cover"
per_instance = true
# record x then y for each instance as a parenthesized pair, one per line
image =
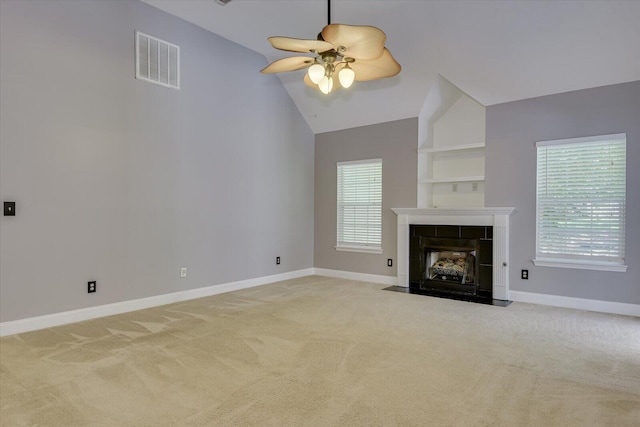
(183, 272)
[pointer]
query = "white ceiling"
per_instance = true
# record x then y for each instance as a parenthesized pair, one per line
(495, 51)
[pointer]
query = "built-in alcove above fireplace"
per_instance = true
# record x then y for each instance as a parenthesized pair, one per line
(463, 251)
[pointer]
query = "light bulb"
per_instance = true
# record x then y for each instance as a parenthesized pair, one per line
(346, 76)
(326, 84)
(316, 72)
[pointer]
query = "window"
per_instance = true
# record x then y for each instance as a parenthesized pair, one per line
(581, 193)
(360, 206)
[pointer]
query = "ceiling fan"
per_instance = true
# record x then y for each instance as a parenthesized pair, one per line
(352, 52)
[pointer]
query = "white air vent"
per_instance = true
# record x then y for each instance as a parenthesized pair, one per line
(157, 61)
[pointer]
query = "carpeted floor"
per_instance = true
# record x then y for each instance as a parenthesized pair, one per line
(327, 352)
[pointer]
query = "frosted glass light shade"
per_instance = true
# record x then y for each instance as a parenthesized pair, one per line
(326, 84)
(316, 73)
(346, 76)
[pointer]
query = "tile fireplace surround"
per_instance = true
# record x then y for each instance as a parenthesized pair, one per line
(496, 217)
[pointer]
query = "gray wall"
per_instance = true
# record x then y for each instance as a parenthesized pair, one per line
(396, 144)
(512, 129)
(122, 181)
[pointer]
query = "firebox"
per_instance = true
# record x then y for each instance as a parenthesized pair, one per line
(451, 259)
(451, 266)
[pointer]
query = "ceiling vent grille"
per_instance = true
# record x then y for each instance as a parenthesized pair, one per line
(157, 61)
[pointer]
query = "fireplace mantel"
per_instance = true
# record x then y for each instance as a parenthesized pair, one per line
(498, 217)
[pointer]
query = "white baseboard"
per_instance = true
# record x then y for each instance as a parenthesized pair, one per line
(578, 303)
(350, 275)
(63, 318)
(57, 319)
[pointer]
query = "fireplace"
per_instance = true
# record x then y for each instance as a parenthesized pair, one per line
(451, 259)
(480, 235)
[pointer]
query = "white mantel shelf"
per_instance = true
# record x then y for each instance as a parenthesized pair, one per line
(453, 211)
(497, 217)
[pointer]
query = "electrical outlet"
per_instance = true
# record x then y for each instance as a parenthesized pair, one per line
(183, 272)
(92, 287)
(474, 186)
(454, 188)
(9, 208)
(524, 274)
(389, 262)
(278, 260)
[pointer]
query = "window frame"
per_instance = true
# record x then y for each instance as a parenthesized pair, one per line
(587, 262)
(362, 247)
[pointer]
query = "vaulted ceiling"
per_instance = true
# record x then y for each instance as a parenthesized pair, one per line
(495, 51)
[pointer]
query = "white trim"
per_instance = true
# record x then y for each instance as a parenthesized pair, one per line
(599, 138)
(357, 162)
(452, 179)
(455, 211)
(583, 265)
(57, 319)
(497, 217)
(577, 303)
(453, 149)
(352, 275)
(363, 249)
(65, 317)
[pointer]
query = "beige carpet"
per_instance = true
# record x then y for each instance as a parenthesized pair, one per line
(327, 352)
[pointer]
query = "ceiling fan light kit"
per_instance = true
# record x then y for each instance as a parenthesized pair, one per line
(353, 52)
(347, 76)
(316, 72)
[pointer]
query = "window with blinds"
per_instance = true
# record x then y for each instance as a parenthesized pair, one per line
(360, 206)
(581, 194)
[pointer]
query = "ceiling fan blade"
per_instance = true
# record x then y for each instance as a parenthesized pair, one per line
(288, 64)
(299, 45)
(360, 41)
(372, 69)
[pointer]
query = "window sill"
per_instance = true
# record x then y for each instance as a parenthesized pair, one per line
(583, 265)
(362, 249)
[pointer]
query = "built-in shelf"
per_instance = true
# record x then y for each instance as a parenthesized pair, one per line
(453, 179)
(452, 149)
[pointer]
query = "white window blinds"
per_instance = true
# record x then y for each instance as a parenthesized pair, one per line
(581, 193)
(360, 205)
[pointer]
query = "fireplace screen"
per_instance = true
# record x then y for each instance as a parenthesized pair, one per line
(453, 266)
(451, 259)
